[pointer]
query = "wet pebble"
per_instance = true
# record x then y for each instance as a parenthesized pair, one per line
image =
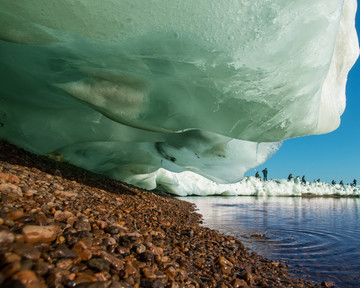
(36, 234)
(26, 250)
(99, 264)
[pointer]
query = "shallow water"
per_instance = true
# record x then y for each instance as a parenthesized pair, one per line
(318, 236)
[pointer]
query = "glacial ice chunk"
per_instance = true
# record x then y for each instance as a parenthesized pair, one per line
(126, 87)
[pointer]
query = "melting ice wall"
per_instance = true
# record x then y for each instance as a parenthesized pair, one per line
(125, 87)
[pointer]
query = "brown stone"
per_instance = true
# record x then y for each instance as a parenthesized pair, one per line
(237, 283)
(149, 272)
(67, 194)
(84, 277)
(249, 278)
(6, 237)
(56, 277)
(37, 234)
(99, 264)
(62, 215)
(225, 265)
(15, 214)
(41, 268)
(11, 190)
(82, 226)
(64, 263)
(27, 251)
(63, 252)
(9, 270)
(82, 251)
(103, 276)
(29, 193)
(327, 284)
(115, 262)
(129, 270)
(10, 178)
(9, 257)
(29, 279)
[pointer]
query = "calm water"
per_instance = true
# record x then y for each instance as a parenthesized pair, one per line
(320, 236)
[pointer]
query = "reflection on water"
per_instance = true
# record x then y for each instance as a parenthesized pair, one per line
(320, 236)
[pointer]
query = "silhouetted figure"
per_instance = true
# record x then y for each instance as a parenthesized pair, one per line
(290, 177)
(257, 175)
(303, 180)
(265, 172)
(354, 183)
(341, 183)
(333, 182)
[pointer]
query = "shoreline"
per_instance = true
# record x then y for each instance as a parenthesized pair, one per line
(62, 226)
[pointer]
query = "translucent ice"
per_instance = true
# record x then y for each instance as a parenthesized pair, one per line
(125, 87)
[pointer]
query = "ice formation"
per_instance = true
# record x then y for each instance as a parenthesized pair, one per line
(133, 88)
(188, 183)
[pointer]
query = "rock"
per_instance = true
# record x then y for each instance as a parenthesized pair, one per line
(15, 214)
(62, 216)
(64, 263)
(82, 226)
(56, 276)
(170, 273)
(42, 268)
(9, 270)
(37, 234)
(120, 284)
(9, 257)
(29, 279)
(129, 270)
(82, 251)
(237, 283)
(148, 272)
(99, 264)
(249, 278)
(113, 229)
(84, 278)
(225, 265)
(103, 276)
(115, 262)
(27, 251)
(140, 248)
(97, 284)
(327, 284)
(66, 194)
(10, 178)
(124, 251)
(6, 237)
(156, 283)
(11, 190)
(109, 241)
(147, 257)
(63, 252)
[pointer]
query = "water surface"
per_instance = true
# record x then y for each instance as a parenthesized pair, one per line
(319, 236)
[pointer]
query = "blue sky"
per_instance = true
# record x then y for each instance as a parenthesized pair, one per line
(335, 155)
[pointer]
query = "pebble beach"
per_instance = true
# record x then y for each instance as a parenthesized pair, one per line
(62, 226)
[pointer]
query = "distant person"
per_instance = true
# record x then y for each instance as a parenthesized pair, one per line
(333, 182)
(265, 172)
(303, 180)
(257, 175)
(341, 183)
(290, 177)
(354, 183)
